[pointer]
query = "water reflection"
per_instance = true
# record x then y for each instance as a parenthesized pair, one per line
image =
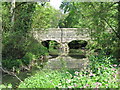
(78, 56)
(68, 62)
(52, 56)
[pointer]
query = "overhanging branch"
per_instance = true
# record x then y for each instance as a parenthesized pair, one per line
(108, 23)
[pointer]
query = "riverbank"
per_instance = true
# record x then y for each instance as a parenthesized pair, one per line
(102, 72)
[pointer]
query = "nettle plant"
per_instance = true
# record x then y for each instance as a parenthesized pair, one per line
(101, 73)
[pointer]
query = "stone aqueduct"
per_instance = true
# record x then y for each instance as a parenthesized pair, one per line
(62, 35)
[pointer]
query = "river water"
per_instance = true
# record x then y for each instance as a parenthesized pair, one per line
(66, 62)
(71, 61)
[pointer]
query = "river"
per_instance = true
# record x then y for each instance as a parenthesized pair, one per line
(70, 61)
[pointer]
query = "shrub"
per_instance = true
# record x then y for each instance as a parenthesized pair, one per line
(18, 48)
(14, 45)
(9, 64)
(44, 79)
(28, 58)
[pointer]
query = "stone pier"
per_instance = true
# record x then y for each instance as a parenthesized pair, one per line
(64, 49)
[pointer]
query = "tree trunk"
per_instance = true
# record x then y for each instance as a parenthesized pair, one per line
(12, 12)
(118, 31)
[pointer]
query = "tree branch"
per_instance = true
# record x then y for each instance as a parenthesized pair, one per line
(11, 73)
(107, 23)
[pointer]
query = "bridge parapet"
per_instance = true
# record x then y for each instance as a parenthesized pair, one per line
(62, 34)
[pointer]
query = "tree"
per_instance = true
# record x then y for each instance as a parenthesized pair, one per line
(118, 19)
(18, 44)
(12, 11)
(98, 17)
(15, 35)
(45, 17)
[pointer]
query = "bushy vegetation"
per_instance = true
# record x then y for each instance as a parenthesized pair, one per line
(102, 20)
(102, 73)
(19, 48)
(18, 45)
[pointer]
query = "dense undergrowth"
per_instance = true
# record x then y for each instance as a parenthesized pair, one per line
(102, 72)
(19, 50)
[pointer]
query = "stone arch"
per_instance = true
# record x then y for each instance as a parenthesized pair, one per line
(46, 43)
(77, 44)
(53, 50)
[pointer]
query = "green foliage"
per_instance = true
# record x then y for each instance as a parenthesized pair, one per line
(12, 63)
(106, 40)
(28, 58)
(116, 52)
(17, 43)
(36, 47)
(76, 52)
(54, 48)
(89, 14)
(101, 73)
(23, 17)
(97, 17)
(14, 37)
(6, 16)
(17, 48)
(45, 17)
(14, 45)
(5, 86)
(100, 62)
(43, 80)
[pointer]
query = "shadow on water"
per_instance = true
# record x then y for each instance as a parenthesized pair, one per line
(77, 53)
(52, 56)
(78, 56)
